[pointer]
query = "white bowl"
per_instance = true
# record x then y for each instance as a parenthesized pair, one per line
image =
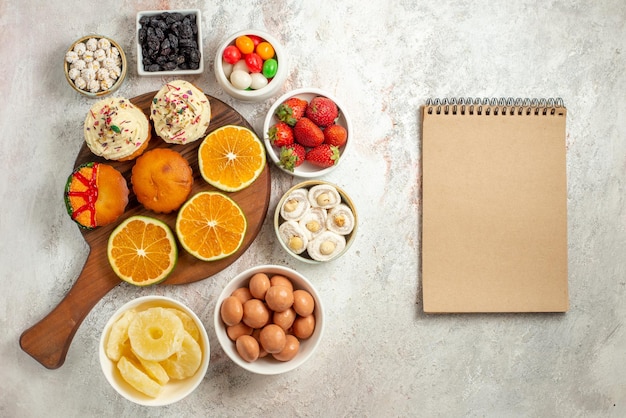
(272, 88)
(120, 79)
(177, 72)
(306, 169)
(174, 390)
(268, 365)
(278, 220)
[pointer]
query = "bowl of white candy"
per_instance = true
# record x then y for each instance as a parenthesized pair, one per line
(95, 65)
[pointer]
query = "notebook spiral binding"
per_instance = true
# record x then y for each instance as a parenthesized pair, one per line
(495, 106)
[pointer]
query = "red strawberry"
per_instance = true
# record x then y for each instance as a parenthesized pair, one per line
(323, 155)
(280, 134)
(335, 135)
(291, 110)
(322, 111)
(291, 156)
(307, 133)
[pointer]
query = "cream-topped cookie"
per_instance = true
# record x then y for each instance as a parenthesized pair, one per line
(116, 129)
(180, 112)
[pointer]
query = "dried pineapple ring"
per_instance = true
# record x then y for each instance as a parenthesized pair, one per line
(186, 361)
(188, 323)
(156, 333)
(293, 236)
(295, 205)
(340, 219)
(324, 196)
(313, 222)
(138, 379)
(154, 369)
(119, 335)
(326, 246)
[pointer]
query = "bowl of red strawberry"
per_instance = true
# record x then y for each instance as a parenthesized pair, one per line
(307, 132)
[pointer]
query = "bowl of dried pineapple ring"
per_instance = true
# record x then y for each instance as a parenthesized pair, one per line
(315, 221)
(154, 351)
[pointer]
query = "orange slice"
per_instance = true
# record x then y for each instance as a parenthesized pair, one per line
(231, 158)
(211, 226)
(142, 250)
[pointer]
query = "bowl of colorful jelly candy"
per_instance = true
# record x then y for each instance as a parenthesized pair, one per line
(251, 65)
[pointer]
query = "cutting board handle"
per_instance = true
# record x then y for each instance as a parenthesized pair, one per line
(48, 340)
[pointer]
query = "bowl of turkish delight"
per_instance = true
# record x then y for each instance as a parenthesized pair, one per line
(315, 221)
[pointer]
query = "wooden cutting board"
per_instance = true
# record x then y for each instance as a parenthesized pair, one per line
(49, 340)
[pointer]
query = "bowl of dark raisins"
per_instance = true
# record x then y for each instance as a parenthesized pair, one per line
(169, 42)
(251, 65)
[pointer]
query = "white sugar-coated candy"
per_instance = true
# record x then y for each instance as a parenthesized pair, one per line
(102, 74)
(240, 79)
(94, 86)
(106, 84)
(109, 63)
(228, 68)
(88, 56)
(88, 74)
(80, 83)
(241, 66)
(80, 48)
(99, 55)
(79, 65)
(91, 44)
(71, 56)
(93, 65)
(115, 72)
(104, 43)
(74, 73)
(258, 81)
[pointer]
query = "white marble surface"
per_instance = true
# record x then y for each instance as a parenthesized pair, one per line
(381, 356)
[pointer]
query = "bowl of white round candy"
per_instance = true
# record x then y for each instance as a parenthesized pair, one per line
(95, 65)
(315, 221)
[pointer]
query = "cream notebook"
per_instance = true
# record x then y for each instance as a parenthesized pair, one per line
(494, 221)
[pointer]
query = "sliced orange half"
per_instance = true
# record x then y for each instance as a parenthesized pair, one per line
(142, 250)
(211, 226)
(231, 158)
